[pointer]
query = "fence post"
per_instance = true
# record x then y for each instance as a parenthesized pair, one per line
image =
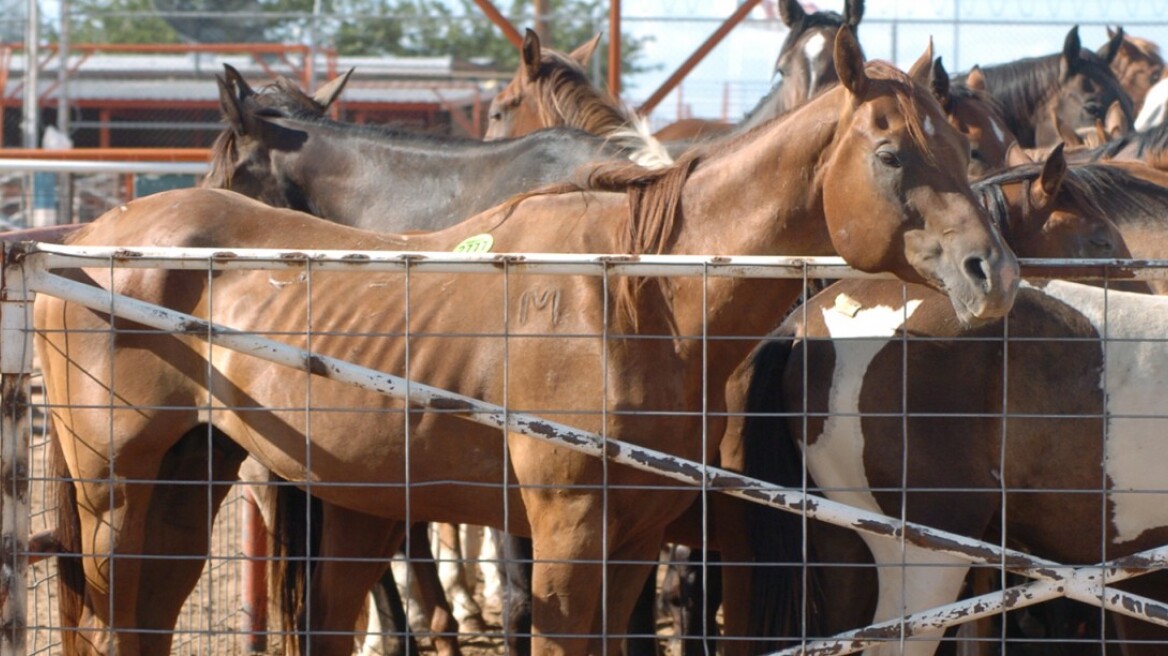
(15, 365)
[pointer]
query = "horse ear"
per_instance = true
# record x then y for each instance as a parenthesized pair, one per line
(1113, 45)
(940, 83)
(532, 52)
(853, 12)
(1016, 155)
(1046, 187)
(919, 71)
(328, 94)
(1071, 50)
(233, 90)
(1115, 124)
(791, 12)
(849, 62)
(583, 54)
(976, 79)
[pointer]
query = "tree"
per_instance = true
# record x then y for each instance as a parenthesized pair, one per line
(441, 27)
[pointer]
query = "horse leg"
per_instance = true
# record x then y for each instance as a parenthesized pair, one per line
(638, 562)
(452, 569)
(912, 579)
(516, 582)
(116, 520)
(642, 639)
(354, 551)
(485, 544)
(443, 626)
(186, 533)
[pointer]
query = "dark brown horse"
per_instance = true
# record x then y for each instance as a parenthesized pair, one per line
(890, 199)
(1073, 88)
(804, 68)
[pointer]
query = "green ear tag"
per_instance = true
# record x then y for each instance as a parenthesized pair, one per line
(477, 244)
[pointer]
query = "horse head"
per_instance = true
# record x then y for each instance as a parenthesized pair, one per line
(1049, 210)
(805, 58)
(971, 110)
(902, 166)
(533, 100)
(1085, 92)
(241, 158)
(1136, 63)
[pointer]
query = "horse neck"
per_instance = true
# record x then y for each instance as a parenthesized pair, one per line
(1022, 89)
(745, 203)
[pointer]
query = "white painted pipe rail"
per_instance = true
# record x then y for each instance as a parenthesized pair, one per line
(70, 166)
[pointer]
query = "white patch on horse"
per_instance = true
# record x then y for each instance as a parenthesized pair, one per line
(928, 125)
(1135, 371)
(811, 50)
(836, 457)
(814, 46)
(998, 131)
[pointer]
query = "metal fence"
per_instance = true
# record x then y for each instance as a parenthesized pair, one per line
(212, 625)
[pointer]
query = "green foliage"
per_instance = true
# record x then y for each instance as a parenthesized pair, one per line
(117, 21)
(404, 28)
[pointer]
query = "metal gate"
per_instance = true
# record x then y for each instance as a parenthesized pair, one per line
(27, 272)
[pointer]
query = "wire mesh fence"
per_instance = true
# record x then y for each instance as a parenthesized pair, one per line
(212, 622)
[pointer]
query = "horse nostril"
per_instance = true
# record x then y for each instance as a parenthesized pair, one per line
(978, 269)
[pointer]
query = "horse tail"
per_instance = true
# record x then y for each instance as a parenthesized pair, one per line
(296, 531)
(70, 570)
(778, 579)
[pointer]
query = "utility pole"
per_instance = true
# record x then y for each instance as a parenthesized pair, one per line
(542, 27)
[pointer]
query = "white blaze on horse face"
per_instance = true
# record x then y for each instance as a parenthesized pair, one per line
(998, 131)
(928, 125)
(811, 50)
(1136, 372)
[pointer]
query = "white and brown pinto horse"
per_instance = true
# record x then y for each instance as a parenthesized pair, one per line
(880, 181)
(1048, 442)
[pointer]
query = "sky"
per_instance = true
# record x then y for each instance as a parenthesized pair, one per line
(965, 32)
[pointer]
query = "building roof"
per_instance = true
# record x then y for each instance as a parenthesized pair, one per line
(190, 78)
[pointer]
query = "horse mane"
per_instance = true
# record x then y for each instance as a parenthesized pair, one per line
(566, 96)
(1022, 85)
(1098, 189)
(959, 91)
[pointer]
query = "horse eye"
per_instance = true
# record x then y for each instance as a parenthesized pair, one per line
(888, 158)
(975, 154)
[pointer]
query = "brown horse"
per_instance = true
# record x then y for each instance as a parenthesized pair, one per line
(1074, 89)
(884, 187)
(1137, 64)
(972, 111)
(552, 89)
(1043, 210)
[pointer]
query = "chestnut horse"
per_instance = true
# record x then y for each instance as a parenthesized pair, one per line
(1073, 88)
(804, 64)
(552, 89)
(1138, 66)
(885, 188)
